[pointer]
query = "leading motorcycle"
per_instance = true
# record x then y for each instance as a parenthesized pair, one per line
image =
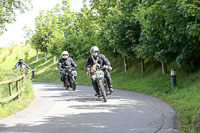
(98, 76)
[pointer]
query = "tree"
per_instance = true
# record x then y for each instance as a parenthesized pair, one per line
(167, 30)
(8, 9)
(120, 29)
(162, 30)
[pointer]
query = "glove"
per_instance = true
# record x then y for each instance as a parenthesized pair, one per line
(110, 68)
(106, 67)
(88, 74)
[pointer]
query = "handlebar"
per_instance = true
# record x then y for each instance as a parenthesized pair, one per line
(68, 68)
(105, 67)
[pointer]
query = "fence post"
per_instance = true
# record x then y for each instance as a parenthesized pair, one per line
(22, 84)
(22, 81)
(11, 84)
(10, 89)
(17, 86)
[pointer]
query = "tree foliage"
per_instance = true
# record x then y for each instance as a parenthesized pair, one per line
(170, 31)
(8, 9)
(163, 30)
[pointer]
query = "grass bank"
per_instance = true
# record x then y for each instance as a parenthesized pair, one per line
(8, 57)
(16, 105)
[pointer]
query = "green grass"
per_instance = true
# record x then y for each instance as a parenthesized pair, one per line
(185, 99)
(9, 56)
(16, 105)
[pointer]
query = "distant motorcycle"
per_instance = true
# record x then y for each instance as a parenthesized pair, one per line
(70, 77)
(24, 69)
(98, 76)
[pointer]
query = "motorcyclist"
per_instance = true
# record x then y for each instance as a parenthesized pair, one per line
(101, 60)
(63, 62)
(21, 63)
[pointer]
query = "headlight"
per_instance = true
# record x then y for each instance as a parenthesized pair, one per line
(74, 73)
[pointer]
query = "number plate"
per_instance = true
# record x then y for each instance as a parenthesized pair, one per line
(99, 74)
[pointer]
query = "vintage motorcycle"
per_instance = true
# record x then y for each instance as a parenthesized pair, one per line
(70, 77)
(98, 76)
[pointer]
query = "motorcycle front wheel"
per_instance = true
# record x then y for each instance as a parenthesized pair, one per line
(73, 84)
(103, 90)
(66, 83)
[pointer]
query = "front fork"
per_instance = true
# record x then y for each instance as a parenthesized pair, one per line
(104, 84)
(97, 81)
(73, 79)
(68, 76)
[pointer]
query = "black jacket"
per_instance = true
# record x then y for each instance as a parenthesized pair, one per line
(66, 62)
(102, 60)
(21, 64)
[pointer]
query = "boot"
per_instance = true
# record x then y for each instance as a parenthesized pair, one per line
(111, 89)
(64, 84)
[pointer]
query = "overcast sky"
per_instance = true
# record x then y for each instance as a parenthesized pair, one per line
(15, 31)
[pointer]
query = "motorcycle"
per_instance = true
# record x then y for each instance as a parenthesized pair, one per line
(98, 76)
(70, 77)
(24, 69)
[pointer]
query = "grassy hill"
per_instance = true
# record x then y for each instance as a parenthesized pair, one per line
(8, 57)
(185, 99)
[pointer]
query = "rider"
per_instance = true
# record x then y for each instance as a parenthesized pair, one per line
(65, 61)
(101, 60)
(20, 64)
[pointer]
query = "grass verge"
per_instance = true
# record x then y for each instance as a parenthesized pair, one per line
(14, 106)
(9, 56)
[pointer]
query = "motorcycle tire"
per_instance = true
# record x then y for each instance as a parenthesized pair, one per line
(73, 84)
(66, 86)
(103, 91)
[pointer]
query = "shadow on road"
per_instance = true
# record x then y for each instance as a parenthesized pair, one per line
(81, 112)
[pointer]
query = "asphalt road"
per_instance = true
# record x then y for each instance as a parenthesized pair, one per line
(55, 110)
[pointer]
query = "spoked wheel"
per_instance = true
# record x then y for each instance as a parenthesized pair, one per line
(106, 86)
(73, 84)
(103, 91)
(66, 86)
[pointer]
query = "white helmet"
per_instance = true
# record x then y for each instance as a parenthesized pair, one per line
(94, 49)
(65, 54)
(21, 59)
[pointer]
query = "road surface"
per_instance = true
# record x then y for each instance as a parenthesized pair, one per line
(55, 110)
